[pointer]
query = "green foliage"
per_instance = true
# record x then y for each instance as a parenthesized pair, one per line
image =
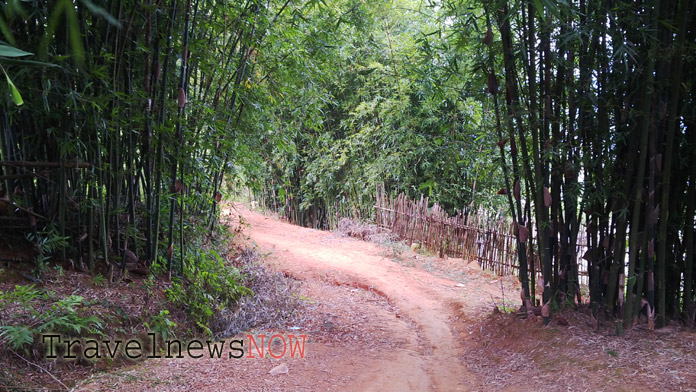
(209, 286)
(99, 280)
(22, 295)
(11, 52)
(162, 325)
(17, 336)
(28, 319)
(377, 98)
(47, 242)
(149, 167)
(16, 96)
(63, 317)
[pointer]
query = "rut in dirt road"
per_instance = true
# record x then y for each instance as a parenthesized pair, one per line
(434, 364)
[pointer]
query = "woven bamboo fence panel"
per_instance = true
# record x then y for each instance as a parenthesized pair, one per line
(471, 235)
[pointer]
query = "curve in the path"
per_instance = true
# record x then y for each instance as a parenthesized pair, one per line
(435, 364)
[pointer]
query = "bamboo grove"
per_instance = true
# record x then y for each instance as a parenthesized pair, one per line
(385, 96)
(595, 116)
(124, 117)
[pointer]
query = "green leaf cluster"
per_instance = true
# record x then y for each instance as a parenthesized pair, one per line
(29, 320)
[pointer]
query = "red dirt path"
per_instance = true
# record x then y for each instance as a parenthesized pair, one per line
(375, 321)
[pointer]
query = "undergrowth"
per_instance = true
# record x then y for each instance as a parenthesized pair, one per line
(217, 294)
(216, 291)
(273, 299)
(47, 242)
(29, 311)
(208, 287)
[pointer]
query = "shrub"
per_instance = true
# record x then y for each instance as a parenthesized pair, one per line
(27, 319)
(209, 286)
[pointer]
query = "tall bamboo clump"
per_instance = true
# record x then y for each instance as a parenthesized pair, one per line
(130, 115)
(594, 107)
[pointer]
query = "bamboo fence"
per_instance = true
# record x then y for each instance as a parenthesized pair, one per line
(469, 234)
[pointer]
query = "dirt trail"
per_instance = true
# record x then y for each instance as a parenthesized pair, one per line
(431, 361)
(375, 322)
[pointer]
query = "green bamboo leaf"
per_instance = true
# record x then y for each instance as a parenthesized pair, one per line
(16, 96)
(97, 10)
(74, 32)
(9, 51)
(28, 62)
(51, 27)
(552, 6)
(366, 71)
(6, 32)
(539, 9)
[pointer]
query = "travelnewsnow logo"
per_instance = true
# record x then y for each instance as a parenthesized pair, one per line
(276, 346)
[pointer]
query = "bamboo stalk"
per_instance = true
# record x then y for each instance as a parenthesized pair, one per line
(66, 164)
